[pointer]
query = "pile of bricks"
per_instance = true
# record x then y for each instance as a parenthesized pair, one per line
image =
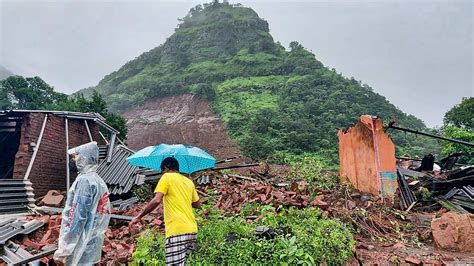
(230, 194)
(120, 238)
(233, 193)
(45, 238)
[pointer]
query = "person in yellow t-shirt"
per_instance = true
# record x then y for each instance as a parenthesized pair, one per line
(179, 196)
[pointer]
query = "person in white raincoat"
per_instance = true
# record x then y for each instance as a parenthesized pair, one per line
(86, 216)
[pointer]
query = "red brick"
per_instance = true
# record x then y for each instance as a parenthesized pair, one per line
(49, 169)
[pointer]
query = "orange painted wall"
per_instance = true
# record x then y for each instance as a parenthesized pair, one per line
(367, 158)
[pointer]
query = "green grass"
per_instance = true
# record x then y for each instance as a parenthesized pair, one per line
(302, 236)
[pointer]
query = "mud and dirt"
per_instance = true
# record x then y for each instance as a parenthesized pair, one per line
(184, 119)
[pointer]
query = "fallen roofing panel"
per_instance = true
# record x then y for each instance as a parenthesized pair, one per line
(16, 195)
(461, 197)
(14, 253)
(119, 175)
(16, 227)
(121, 205)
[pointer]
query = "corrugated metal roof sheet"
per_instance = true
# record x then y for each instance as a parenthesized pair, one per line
(14, 253)
(119, 175)
(15, 195)
(14, 227)
(121, 205)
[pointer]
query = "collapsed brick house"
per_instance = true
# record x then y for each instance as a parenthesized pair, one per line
(33, 151)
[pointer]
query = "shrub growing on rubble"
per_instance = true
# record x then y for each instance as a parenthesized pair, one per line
(310, 169)
(301, 236)
(150, 249)
(142, 192)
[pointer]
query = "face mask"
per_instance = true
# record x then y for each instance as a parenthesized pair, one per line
(80, 163)
(72, 166)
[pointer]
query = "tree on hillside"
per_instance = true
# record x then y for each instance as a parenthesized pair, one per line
(27, 93)
(294, 45)
(461, 115)
(458, 124)
(96, 104)
(17, 92)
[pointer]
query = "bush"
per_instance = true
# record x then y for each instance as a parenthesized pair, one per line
(142, 192)
(302, 236)
(310, 169)
(459, 134)
(150, 249)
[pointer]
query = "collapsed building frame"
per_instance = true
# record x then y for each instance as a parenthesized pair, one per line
(33, 153)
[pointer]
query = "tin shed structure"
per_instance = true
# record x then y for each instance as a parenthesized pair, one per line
(33, 151)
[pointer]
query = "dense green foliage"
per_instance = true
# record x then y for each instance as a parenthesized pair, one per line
(459, 124)
(461, 115)
(95, 104)
(17, 92)
(302, 236)
(150, 249)
(312, 170)
(459, 134)
(272, 99)
(143, 192)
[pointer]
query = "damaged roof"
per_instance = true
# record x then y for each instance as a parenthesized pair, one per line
(71, 115)
(119, 175)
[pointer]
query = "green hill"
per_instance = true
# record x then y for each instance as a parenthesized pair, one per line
(274, 101)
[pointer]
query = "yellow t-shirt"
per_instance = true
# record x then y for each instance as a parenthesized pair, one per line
(179, 192)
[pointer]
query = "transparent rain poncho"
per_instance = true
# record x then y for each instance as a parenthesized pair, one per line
(85, 217)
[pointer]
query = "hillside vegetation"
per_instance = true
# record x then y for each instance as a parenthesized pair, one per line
(275, 102)
(33, 93)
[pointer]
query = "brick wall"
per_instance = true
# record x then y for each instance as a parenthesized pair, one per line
(49, 168)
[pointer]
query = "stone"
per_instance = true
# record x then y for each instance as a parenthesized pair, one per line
(52, 198)
(412, 260)
(454, 231)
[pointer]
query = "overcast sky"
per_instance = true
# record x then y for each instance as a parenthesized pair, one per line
(418, 54)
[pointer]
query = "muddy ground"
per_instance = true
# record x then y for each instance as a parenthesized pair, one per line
(182, 119)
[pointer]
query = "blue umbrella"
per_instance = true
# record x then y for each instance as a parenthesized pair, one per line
(191, 159)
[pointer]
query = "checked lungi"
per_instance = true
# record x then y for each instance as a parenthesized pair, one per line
(178, 248)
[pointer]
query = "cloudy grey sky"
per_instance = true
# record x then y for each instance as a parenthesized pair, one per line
(418, 54)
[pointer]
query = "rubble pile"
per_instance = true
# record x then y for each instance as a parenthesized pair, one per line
(120, 238)
(30, 236)
(370, 218)
(233, 192)
(429, 187)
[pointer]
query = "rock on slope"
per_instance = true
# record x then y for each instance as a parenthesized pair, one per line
(182, 119)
